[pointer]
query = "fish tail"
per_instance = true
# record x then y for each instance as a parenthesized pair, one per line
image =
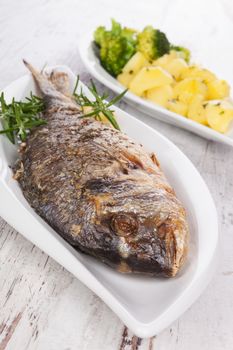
(46, 86)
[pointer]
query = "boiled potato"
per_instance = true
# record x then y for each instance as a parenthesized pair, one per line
(197, 72)
(191, 91)
(219, 115)
(175, 67)
(217, 89)
(132, 67)
(178, 107)
(178, 54)
(148, 78)
(175, 54)
(196, 110)
(162, 61)
(125, 78)
(165, 59)
(160, 95)
(136, 62)
(187, 88)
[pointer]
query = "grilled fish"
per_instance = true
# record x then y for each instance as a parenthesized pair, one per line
(99, 189)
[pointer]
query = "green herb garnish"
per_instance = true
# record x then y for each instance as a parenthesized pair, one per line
(18, 117)
(98, 105)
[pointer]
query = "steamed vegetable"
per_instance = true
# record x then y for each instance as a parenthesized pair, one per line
(175, 67)
(217, 89)
(187, 88)
(148, 78)
(177, 106)
(161, 73)
(197, 72)
(219, 115)
(116, 47)
(160, 95)
(152, 43)
(196, 109)
(136, 62)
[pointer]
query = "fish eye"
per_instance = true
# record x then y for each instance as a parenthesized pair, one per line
(124, 224)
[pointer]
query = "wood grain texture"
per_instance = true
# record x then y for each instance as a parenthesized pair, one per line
(42, 306)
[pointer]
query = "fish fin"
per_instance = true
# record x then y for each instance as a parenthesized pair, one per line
(154, 159)
(61, 81)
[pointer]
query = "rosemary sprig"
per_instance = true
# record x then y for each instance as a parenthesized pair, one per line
(98, 105)
(19, 117)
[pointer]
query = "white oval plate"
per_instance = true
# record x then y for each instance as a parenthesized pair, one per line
(92, 64)
(146, 305)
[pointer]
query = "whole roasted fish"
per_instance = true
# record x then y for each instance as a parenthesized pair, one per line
(99, 189)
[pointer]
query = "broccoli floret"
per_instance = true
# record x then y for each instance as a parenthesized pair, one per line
(152, 43)
(116, 47)
(185, 53)
(99, 35)
(116, 54)
(129, 34)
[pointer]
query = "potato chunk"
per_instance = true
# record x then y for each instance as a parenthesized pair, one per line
(136, 62)
(196, 111)
(176, 67)
(148, 78)
(160, 95)
(162, 61)
(187, 88)
(197, 72)
(132, 67)
(125, 78)
(217, 89)
(165, 59)
(219, 115)
(177, 107)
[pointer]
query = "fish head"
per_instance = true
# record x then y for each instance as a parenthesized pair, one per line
(145, 226)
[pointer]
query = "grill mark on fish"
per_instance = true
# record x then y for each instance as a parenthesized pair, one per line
(100, 190)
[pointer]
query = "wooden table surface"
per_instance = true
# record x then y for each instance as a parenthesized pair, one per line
(42, 306)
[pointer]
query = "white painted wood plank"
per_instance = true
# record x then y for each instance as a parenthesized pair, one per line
(41, 305)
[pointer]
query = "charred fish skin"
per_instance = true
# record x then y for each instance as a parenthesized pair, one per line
(100, 190)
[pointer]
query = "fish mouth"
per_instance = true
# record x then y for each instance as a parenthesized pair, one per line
(147, 261)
